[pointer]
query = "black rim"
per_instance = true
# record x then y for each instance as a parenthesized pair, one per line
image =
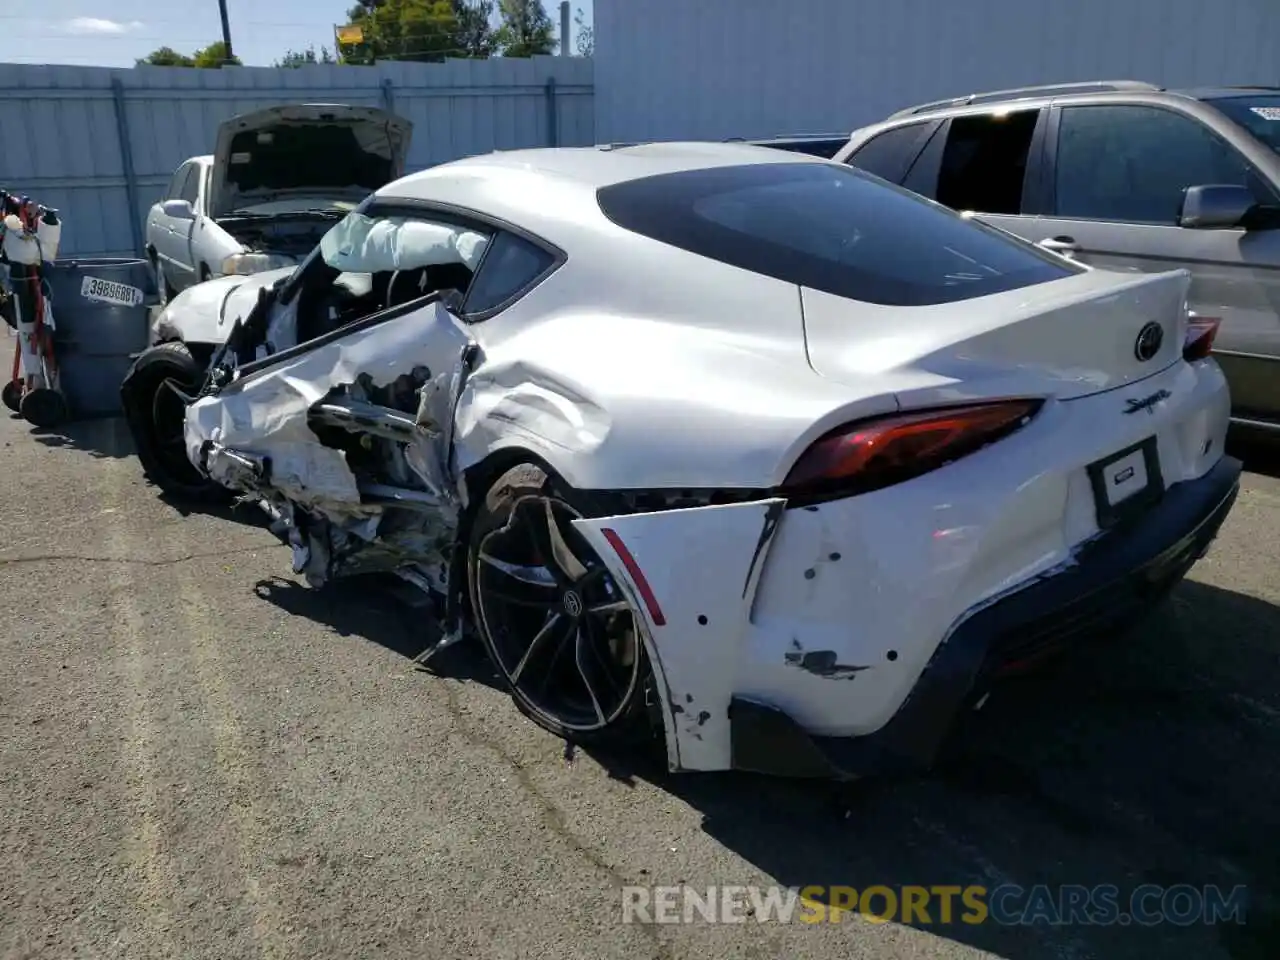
(560, 628)
(168, 437)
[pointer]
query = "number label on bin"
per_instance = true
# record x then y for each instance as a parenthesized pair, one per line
(105, 291)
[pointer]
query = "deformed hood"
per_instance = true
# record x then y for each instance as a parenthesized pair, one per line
(329, 151)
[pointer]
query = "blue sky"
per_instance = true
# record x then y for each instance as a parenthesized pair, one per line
(114, 33)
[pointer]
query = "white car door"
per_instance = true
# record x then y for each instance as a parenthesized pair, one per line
(182, 231)
(171, 238)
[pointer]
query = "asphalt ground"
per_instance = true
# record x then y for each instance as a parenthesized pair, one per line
(202, 758)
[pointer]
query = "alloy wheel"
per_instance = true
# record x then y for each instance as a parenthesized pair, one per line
(561, 630)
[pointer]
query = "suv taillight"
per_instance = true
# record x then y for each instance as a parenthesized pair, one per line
(877, 453)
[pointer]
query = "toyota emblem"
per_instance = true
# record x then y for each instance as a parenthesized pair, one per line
(572, 604)
(1150, 338)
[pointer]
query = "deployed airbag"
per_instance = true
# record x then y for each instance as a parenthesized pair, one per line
(361, 244)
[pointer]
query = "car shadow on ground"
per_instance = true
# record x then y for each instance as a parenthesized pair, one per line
(105, 437)
(1152, 763)
(385, 611)
(1259, 451)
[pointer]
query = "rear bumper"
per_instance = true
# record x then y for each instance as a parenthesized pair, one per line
(1115, 580)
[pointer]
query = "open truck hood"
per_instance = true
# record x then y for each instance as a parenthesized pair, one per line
(329, 151)
(1068, 338)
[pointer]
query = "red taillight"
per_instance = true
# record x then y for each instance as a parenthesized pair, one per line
(1200, 334)
(878, 453)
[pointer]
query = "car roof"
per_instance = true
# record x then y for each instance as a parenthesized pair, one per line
(1229, 93)
(594, 167)
(551, 191)
(1092, 91)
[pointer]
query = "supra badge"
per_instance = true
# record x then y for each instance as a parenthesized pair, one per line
(1150, 339)
(1146, 403)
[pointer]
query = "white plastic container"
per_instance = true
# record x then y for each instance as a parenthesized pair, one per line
(19, 246)
(49, 233)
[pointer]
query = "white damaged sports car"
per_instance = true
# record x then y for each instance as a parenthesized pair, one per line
(745, 449)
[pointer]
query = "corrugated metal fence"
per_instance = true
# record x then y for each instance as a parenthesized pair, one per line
(101, 144)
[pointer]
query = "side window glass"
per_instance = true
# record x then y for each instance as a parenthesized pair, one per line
(191, 187)
(1132, 163)
(984, 162)
(922, 178)
(512, 266)
(887, 154)
(174, 190)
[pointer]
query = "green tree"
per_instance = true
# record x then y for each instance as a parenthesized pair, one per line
(526, 29)
(166, 57)
(294, 58)
(586, 38)
(214, 55)
(403, 30)
(475, 28)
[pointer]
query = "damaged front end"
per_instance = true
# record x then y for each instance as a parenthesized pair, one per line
(356, 476)
(346, 439)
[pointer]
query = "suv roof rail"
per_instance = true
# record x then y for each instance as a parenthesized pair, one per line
(1018, 93)
(788, 137)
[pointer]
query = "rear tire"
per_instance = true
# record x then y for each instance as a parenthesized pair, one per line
(560, 634)
(12, 395)
(156, 415)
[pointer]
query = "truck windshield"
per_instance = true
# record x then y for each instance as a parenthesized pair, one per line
(1259, 115)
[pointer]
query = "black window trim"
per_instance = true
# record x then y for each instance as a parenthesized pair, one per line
(909, 155)
(1034, 200)
(1050, 178)
(455, 215)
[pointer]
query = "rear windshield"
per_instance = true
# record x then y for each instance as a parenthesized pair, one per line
(830, 228)
(1259, 115)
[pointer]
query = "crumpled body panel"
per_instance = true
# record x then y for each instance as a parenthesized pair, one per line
(348, 441)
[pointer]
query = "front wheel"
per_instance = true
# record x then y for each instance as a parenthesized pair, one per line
(157, 418)
(551, 617)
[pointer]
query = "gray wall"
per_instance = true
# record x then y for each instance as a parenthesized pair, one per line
(72, 135)
(671, 69)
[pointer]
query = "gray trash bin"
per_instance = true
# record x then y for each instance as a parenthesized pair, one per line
(102, 317)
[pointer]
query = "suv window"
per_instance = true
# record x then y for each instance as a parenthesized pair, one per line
(984, 162)
(831, 228)
(511, 266)
(1132, 163)
(1259, 115)
(191, 186)
(887, 154)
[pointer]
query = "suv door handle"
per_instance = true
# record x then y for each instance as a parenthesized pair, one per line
(1065, 246)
